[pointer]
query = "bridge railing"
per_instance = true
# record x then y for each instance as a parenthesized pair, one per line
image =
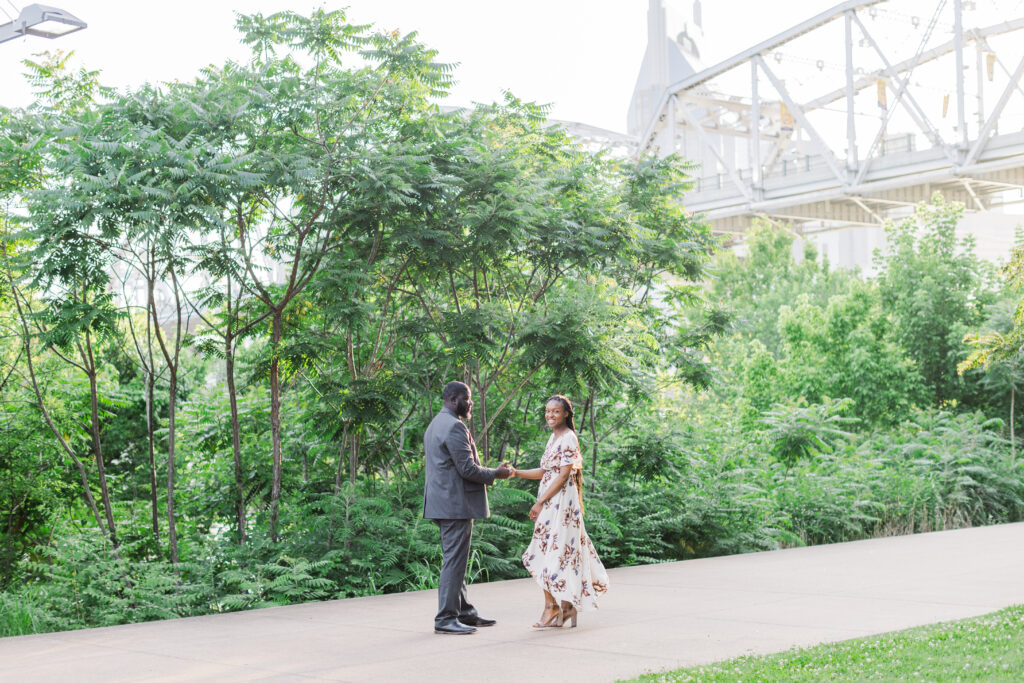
(793, 167)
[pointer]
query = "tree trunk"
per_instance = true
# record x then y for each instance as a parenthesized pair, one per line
(236, 441)
(172, 366)
(519, 438)
(486, 436)
(97, 451)
(1013, 440)
(592, 400)
(172, 527)
(341, 461)
(337, 486)
(275, 423)
(82, 472)
(145, 355)
(150, 431)
(353, 458)
(97, 448)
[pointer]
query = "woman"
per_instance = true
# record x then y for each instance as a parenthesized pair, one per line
(561, 557)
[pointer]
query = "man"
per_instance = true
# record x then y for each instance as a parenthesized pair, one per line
(454, 495)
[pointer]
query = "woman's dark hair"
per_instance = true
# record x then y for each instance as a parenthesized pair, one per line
(570, 423)
(567, 406)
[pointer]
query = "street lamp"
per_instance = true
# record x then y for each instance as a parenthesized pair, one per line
(43, 21)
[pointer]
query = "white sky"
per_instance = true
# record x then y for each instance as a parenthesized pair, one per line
(581, 56)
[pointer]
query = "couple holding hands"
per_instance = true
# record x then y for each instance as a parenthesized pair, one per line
(560, 555)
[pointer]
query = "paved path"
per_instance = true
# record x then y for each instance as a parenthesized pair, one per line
(654, 617)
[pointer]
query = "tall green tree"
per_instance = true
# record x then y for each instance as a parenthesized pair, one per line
(770, 273)
(526, 266)
(936, 290)
(844, 350)
(319, 139)
(998, 348)
(75, 314)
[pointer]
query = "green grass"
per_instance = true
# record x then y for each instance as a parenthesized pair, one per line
(986, 648)
(17, 618)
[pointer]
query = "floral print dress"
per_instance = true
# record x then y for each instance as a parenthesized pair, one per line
(560, 556)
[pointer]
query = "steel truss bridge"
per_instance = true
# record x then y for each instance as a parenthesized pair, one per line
(865, 109)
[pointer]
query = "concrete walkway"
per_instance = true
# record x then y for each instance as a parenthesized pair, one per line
(654, 617)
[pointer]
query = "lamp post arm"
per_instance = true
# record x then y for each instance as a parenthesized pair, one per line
(32, 19)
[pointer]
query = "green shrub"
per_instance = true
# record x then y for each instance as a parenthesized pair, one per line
(79, 581)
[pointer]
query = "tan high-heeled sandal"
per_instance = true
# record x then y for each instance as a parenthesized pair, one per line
(554, 622)
(570, 614)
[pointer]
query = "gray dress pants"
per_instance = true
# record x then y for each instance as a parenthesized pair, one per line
(452, 604)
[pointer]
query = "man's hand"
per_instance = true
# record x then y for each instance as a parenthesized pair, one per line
(505, 470)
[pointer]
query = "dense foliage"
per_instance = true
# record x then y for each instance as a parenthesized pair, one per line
(228, 307)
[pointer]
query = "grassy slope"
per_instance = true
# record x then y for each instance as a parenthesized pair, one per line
(987, 648)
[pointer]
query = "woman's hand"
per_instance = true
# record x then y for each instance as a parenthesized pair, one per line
(535, 510)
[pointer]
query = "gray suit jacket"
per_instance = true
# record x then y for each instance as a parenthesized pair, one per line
(456, 483)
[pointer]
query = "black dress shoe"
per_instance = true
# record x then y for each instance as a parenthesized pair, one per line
(477, 621)
(454, 628)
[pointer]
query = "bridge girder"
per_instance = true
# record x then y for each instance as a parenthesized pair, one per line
(803, 168)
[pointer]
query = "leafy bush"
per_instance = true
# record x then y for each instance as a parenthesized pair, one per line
(79, 581)
(284, 582)
(941, 470)
(798, 431)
